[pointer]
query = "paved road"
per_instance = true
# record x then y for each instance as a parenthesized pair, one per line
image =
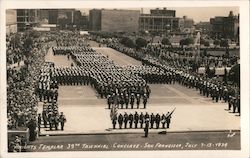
(170, 141)
(118, 57)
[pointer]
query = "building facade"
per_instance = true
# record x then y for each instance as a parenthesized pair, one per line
(114, 20)
(11, 21)
(161, 20)
(27, 18)
(204, 27)
(163, 12)
(225, 27)
(95, 20)
(52, 16)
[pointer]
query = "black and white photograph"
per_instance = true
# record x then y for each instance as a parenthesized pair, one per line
(127, 79)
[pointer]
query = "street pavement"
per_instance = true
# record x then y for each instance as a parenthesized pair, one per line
(87, 113)
(109, 142)
(117, 57)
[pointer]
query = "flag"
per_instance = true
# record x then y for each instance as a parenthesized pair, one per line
(169, 115)
(113, 111)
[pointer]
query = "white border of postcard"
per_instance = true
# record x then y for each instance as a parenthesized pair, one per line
(244, 50)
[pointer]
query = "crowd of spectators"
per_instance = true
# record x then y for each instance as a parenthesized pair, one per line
(22, 102)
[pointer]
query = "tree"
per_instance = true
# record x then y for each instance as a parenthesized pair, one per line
(234, 74)
(224, 43)
(128, 42)
(206, 43)
(165, 41)
(186, 41)
(190, 41)
(153, 34)
(141, 42)
(216, 42)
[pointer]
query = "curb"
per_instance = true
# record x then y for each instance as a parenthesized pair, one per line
(139, 132)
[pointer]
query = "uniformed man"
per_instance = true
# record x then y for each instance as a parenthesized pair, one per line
(168, 119)
(234, 105)
(146, 127)
(229, 102)
(131, 119)
(114, 119)
(120, 120)
(163, 120)
(51, 121)
(225, 94)
(121, 100)
(56, 121)
(39, 122)
(62, 120)
(146, 116)
(132, 100)
(152, 120)
(217, 95)
(136, 118)
(126, 100)
(109, 100)
(138, 100)
(125, 120)
(145, 100)
(45, 119)
(141, 119)
(148, 91)
(157, 120)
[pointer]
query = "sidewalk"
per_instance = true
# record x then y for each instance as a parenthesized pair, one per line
(186, 118)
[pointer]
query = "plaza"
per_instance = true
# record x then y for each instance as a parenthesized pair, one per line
(87, 113)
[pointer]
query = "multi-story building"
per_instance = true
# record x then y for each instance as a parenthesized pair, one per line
(188, 27)
(11, 21)
(80, 20)
(163, 12)
(225, 27)
(203, 27)
(114, 20)
(52, 16)
(160, 20)
(95, 20)
(26, 19)
(188, 22)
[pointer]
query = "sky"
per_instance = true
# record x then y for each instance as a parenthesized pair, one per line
(198, 14)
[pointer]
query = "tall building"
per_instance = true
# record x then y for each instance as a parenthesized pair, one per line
(53, 16)
(160, 20)
(204, 27)
(188, 25)
(188, 22)
(95, 20)
(67, 14)
(11, 21)
(114, 20)
(163, 12)
(225, 27)
(26, 19)
(80, 21)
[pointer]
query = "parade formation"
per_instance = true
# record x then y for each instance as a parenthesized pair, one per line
(123, 87)
(180, 70)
